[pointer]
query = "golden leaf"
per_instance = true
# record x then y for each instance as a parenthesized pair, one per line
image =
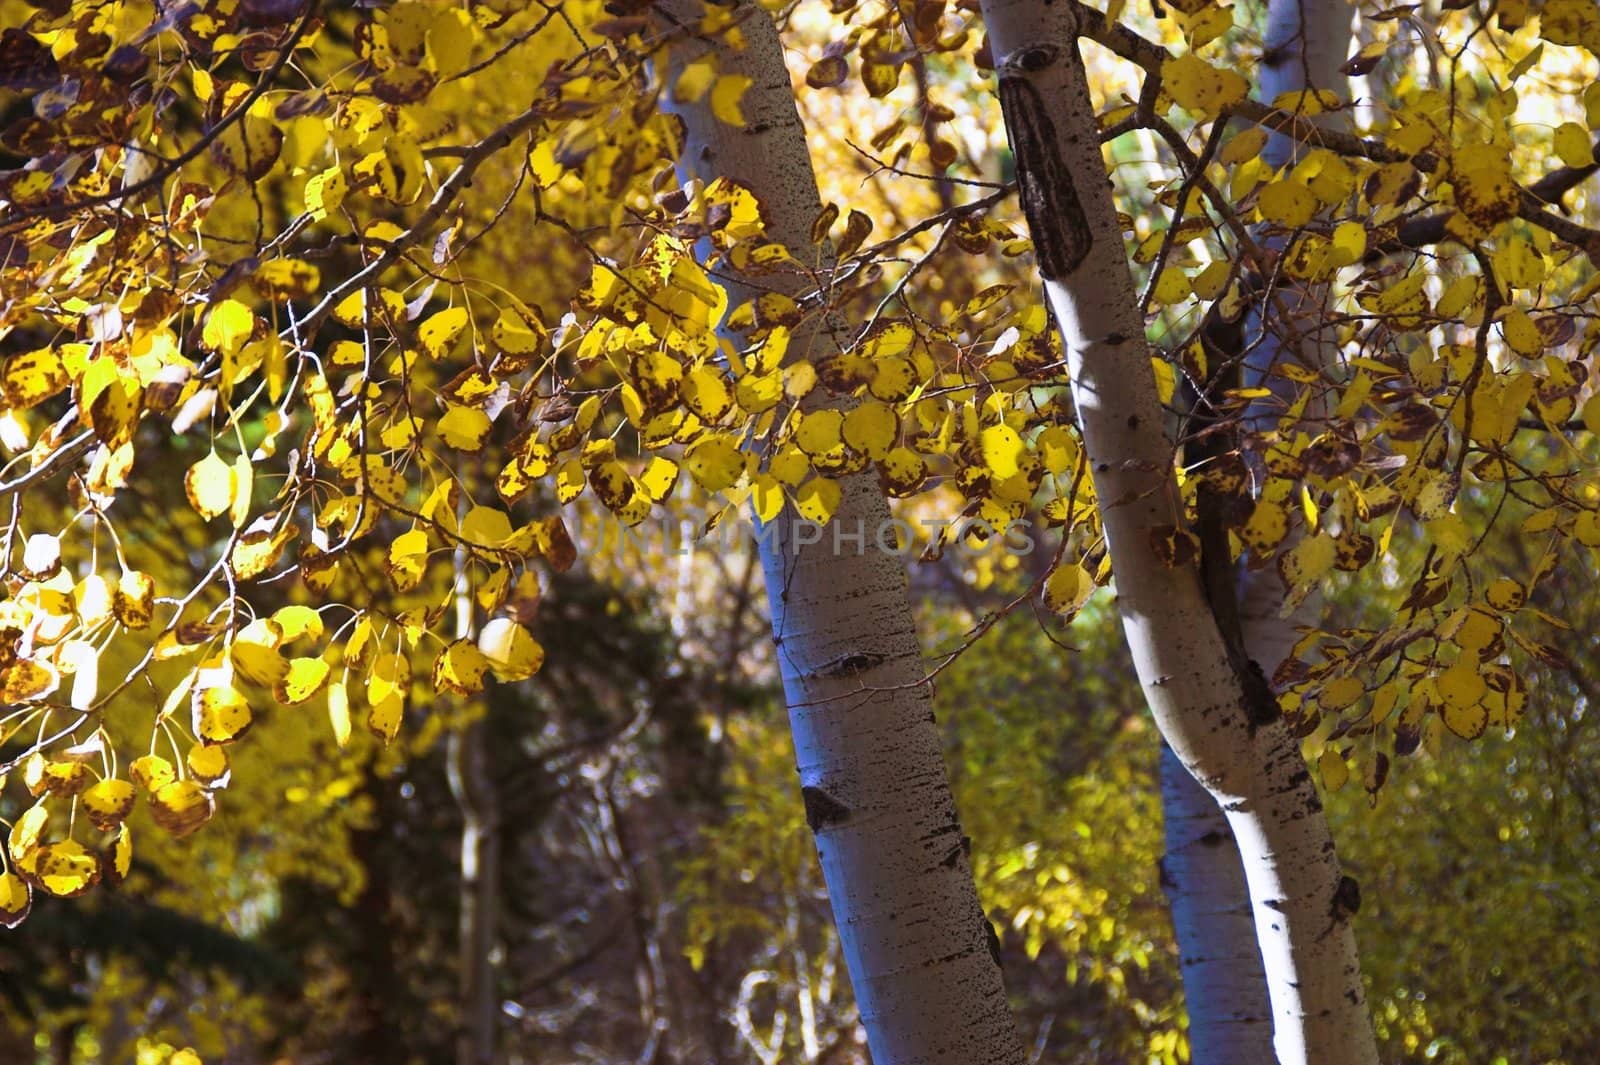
(304, 679)
(440, 331)
(221, 714)
(208, 765)
(16, 898)
(818, 499)
(714, 463)
(66, 869)
(108, 803)
(460, 668)
(511, 651)
(209, 484)
(725, 96)
(181, 807)
(1199, 87)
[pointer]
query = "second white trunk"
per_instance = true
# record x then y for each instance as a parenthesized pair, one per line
(872, 776)
(1222, 725)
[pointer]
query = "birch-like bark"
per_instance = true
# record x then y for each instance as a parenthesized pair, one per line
(877, 796)
(1222, 723)
(1224, 986)
(1306, 44)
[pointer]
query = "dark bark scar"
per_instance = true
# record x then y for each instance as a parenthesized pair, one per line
(1061, 234)
(823, 810)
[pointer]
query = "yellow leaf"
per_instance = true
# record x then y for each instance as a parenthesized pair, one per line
(116, 871)
(295, 621)
(518, 333)
(1000, 447)
(1308, 562)
(767, 495)
(725, 97)
(27, 680)
(903, 472)
(819, 432)
(818, 499)
(705, 392)
(658, 479)
(1209, 283)
(714, 463)
(304, 679)
(1267, 527)
(460, 668)
(1199, 87)
(108, 803)
(1206, 25)
(25, 832)
(221, 715)
(408, 558)
(449, 42)
(569, 481)
(339, 711)
(1172, 285)
(1340, 693)
(511, 651)
(287, 279)
(1571, 22)
(1383, 702)
(384, 717)
(1287, 203)
(66, 868)
(1166, 380)
(208, 765)
(254, 653)
(1243, 147)
(464, 428)
(1522, 336)
(1506, 594)
(209, 484)
(1333, 769)
(871, 429)
(228, 326)
(1068, 588)
(1519, 263)
(181, 807)
(656, 379)
(880, 79)
(695, 81)
(31, 378)
(1457, 295)
(756, 393)
(152, 772)
(440, 331)
(486, 527)
(1349, 242)
(1486, 195)
(1461, 690)
(16, 898)
(1572, 144)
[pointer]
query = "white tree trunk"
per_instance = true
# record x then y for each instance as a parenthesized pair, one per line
(1307, 42)
(1224, 987)
(877, 797)
(1221, 722)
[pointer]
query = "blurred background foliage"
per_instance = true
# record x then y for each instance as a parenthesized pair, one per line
(660, 890)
